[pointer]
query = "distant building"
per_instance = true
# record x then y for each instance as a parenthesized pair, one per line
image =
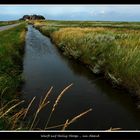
(32, 17)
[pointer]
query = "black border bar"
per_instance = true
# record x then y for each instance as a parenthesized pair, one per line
(69, 135)
(69, 2)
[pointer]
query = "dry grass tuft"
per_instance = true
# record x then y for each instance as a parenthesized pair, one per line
(67, 123)
(56, 103)
(10, 109)
(20, 115)
(42, 104)
(28, 107)
(113, 129)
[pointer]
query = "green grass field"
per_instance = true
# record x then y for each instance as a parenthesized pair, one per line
(4, 23)
(83, 24)
(11, 52)
(110, 48)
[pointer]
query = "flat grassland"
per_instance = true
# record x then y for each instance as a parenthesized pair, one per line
(109, 48)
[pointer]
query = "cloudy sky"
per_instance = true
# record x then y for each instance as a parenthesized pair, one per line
(73, 12)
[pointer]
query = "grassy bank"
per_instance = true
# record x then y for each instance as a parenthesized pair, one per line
(4, 23)
(11, 52)
(114, 52)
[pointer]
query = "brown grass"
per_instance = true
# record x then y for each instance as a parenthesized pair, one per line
(56, 103)
(19, 116)
(10, 109)
(113, 129)
(28, 107)
(67, 123)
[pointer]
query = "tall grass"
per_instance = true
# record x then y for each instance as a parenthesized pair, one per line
(17, 119)
(11, 52)
(115, 52)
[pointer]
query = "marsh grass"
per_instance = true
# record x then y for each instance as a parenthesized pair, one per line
(83, 24)
(110, 48)
(11, 52)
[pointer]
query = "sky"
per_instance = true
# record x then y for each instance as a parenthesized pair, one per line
(73, 12)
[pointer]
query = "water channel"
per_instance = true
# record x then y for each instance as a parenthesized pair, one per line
(44, 66)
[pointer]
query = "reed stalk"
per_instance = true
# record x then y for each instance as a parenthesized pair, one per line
(56, 103)
(28, 107)
(42, 104)
(67, 123)
(11, 108)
